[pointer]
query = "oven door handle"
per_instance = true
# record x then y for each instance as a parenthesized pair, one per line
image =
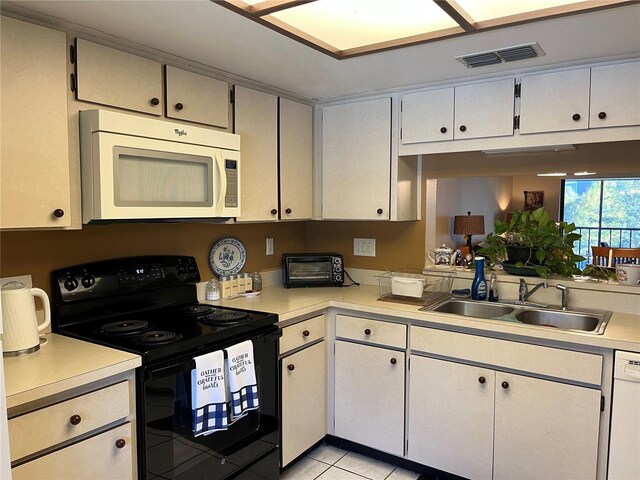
(188, 365)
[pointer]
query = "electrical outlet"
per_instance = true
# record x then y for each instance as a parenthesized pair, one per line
(364, 247)
(269, 246)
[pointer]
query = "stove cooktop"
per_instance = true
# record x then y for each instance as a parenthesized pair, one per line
(164, 332)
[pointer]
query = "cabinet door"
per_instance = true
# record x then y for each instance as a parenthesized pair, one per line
(427, 116)
(545, 429)
(256, 121)
(197, 98)
(296, 160)
(111, 77)
(369, 396)
(615, 95)
(34, 156)
(554, 102)
(106, 456)
(356, 160)
(484, 109)
(304, 405)
(451, 417)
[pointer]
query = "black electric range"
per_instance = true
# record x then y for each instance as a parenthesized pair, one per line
(149, 306)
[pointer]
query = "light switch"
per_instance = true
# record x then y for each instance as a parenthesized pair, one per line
(269, 246)
(364, 247)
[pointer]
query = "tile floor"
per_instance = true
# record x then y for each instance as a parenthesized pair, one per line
(331, 463)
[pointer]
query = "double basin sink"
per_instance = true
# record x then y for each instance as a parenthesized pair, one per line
(591, 321)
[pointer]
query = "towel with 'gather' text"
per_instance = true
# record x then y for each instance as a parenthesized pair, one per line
(241, 379)
(208, 394)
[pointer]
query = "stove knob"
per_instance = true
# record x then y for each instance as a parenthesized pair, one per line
(88, 281)
(71, 283)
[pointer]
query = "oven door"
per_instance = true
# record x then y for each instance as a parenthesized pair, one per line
(167, 446)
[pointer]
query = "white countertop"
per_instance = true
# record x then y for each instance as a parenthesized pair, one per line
(62, 363)
(622, 332)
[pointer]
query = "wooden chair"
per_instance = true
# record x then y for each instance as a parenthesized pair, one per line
(600, 256)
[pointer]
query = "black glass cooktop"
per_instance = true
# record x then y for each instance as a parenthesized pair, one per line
(162, 332)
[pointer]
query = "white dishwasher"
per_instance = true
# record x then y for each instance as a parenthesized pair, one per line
(624, 448)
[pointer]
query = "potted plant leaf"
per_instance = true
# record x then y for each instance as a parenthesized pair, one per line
(533, 241)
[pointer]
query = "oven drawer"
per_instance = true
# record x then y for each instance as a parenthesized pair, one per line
(105, 456)
(302, 333)
(371, 331)
(44, 428)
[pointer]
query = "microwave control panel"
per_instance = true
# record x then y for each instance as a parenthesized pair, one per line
(231, 172)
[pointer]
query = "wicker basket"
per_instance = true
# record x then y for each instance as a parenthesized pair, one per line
(440, 282)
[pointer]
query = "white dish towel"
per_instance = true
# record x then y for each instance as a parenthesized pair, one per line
(209, 394)
(241, 379)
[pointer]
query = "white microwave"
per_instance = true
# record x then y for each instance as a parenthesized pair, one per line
(141, 169)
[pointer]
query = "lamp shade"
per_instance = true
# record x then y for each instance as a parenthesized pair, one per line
(468, 224)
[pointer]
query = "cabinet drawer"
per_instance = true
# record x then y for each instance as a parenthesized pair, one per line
(97, 458)
(302, 333)
(371, 331)
(49, 426)
(553, 362)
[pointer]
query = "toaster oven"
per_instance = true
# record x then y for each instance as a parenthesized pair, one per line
(313, 270)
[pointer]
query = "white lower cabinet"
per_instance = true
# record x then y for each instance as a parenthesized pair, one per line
(304, 390)
(369, 396)
(479, 423)
(107, 456)
(451, 417)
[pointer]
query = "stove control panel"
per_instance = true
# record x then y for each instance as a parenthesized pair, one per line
(122, 276)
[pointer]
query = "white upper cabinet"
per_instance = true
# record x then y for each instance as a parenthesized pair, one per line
(615, 95)
(296, 160)
(256, 121)
(111, 77)
(197, 98)
(554, 102)
(469, 111)
(34, 158)
(356, 160)
(427, 116)
(484, 109)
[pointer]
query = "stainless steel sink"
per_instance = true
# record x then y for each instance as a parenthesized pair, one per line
(567, 320)
(473, 309)
(587, 321)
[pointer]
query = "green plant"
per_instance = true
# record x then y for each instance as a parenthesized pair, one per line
(550, 243)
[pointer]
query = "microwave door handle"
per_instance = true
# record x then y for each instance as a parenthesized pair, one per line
(222, 176)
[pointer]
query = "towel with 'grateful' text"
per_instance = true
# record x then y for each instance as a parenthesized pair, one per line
(208, 394)
(241, 379)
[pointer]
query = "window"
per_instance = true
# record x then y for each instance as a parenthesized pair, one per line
(605, 212)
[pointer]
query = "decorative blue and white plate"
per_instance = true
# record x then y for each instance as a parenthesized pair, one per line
(227, 256)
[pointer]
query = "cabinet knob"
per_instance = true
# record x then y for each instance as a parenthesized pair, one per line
(505, 385)
(288, 211)
(75, 419)
(393, 361)
(367, 331)
(443, 130)
(602, 115)
(58, 213)
(379, 211)
(306, 333)
(179, 106)
(291, 367)
(120, 443)
(274, 211)
(576, 117)
(155, 101)
(463, 128)
(482, 379)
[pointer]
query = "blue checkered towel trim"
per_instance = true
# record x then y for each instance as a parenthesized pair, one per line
(244, 399)
(210, 418)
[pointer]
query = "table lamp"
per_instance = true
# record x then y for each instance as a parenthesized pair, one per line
(468, 225)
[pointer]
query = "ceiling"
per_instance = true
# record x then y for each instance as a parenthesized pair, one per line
(203, 33)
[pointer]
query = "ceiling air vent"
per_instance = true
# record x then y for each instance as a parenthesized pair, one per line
(501, 55)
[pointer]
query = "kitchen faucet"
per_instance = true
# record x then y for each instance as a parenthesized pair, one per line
(524, 293)
(565, 296)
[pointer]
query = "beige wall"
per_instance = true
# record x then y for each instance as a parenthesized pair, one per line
(549, 185)
(39, 253)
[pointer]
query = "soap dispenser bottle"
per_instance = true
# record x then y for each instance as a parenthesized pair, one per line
(479, 285)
